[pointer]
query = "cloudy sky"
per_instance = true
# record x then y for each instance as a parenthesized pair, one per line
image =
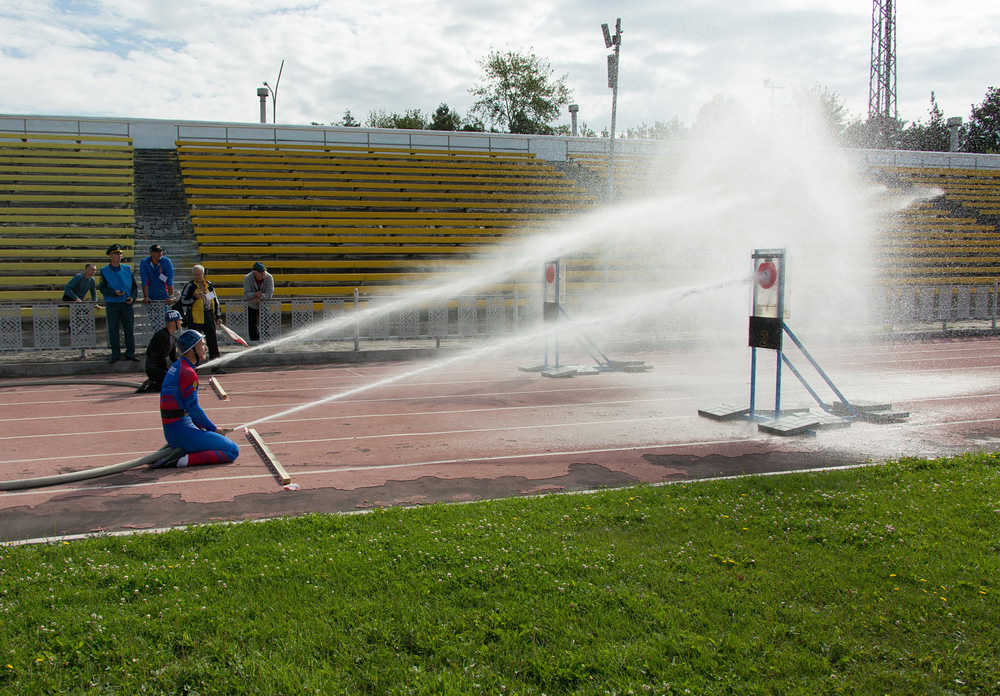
(205, 59)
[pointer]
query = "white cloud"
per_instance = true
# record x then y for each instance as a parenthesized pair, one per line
(204, 59)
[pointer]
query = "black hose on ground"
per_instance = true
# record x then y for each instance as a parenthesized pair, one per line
(57, 382)
(71, 476)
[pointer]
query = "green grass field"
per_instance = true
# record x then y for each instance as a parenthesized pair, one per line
(876, 580)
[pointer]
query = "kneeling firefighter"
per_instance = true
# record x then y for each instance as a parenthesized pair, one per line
(185, 424)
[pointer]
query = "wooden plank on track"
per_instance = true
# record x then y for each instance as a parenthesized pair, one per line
(267, 456)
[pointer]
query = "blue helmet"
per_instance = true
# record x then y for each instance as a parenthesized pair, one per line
(173, 315)
(188, 340)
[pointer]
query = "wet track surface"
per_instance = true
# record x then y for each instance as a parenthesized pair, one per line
(474, 430)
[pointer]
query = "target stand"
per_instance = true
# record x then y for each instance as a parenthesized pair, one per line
(768, 330)
(554, 291)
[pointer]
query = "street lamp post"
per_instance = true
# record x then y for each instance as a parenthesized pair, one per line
(274, 95)
(616, 41)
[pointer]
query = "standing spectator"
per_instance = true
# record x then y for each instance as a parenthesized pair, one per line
(258, 285)
(120, 291)
(80, 284)
(202, 311)
(157, 274)
(161, 353)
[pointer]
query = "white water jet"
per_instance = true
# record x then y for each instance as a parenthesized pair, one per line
(713, 204)
(582, 322)
(647, 218)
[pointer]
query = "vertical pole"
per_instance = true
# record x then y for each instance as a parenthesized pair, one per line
(616, 41)
(357, 321)
(996, 283)
(777, 385)
(781, 318)
(515, 313)
(558, 303)
(753, 379)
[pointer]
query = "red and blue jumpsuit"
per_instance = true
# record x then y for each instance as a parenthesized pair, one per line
(185, 424)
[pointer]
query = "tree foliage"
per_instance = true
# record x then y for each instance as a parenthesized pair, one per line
(673, 129)
(348, 120)
(982, 134)
(444, 119)
(519, 94)
(721, 117)
(412, 119)
(932, 136)
(816, 105)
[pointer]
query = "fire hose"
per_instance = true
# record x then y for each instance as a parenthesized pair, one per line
(72, 476)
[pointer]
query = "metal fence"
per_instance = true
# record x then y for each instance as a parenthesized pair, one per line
(944, 304)
(81, 326)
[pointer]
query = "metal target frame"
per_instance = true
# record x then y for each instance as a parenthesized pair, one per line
(767, 330)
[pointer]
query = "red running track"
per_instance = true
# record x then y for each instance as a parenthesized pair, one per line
(472, 430)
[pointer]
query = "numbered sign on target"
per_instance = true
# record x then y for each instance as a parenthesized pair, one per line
(767, 320)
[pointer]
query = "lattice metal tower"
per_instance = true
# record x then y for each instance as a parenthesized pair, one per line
(882, 81)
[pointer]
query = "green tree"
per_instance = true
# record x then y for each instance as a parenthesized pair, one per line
(816, 104)
(982, 134)
(933, 136)
(720, 117)
(518, 93)
(473, 125)
(671, 130)
(348, 120)
(876, 133)
(412, 119)
(444, 119)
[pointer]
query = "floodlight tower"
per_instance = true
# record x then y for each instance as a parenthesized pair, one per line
(610, 41)
(882, 80)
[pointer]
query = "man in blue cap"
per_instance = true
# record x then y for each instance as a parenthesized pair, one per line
(161, 353)
(120, 291)
(157, 273)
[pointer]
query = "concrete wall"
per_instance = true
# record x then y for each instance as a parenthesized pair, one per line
(155, 133)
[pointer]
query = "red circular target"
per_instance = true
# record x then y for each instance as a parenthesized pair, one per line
(550, 274)
(767, 275)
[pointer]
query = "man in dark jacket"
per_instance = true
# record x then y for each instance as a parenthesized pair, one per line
(161, 353)
(79, 285)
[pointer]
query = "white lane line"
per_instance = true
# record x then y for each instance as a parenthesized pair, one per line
(405, 465)
(493, 409)
(360, 416)
(865, 379)
(463, 460)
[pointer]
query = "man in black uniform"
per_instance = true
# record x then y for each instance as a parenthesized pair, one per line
(161, 353)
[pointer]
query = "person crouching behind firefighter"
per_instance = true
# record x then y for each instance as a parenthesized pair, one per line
(161, 353)
(185, 424)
